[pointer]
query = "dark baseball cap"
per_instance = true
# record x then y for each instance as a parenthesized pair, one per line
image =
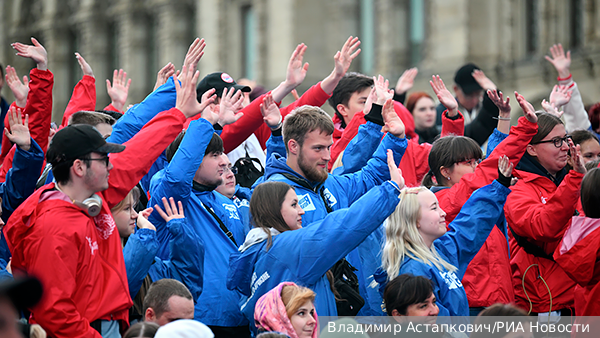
(77, 140)
(465, 80)
(218, 81)
(22, 292)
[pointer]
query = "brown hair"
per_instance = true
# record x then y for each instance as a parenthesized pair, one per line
(580, 136)
(304, 120)
(594, 116)
(142, 330)
(294, 296)
(546, 122)
(413, 98)
(265, 207)
(161, 291)
(91, 118)
(135, 192)
(590, 194)
(446, 152)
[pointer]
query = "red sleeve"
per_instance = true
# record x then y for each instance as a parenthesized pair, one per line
(453, 127)
(112, 108)
(83, 98)
(529, 217)
(7, 163)
(234, 134)
(6, 144)
(407, 119)
(314, 96)
(262, 134)
(513, 147)
(415, 163)
(347, 135)
(140, 153)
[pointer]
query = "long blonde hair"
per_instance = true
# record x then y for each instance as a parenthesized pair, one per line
(403, 237)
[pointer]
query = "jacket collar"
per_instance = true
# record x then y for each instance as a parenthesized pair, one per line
(531, 165)
(201, 187)
(277, 165)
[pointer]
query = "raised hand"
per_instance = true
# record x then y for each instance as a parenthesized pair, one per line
(18, 88)
(498, 99)
(19, 129)
(194, 54)
(505, 166)
(483, 80)
(37, 53)
(85, 67)
(186, 101)
(551, 109)
(575, 158)
(560, 60)
(232, 101)
(172, 211)
(343, 59)
(527, 107)
(395, 172)
(444, 95)
(163, 75)
(119, 89)
(142, 220)
(382, 89)
(560, 96)
(370, 99)
(296, 70)
(270, 112)
(406, 80)
(210, 112)
(393, 123)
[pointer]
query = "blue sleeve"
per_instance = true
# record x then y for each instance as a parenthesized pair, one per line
(494, 140)
(139, 252)
(360, 149)
(243, 193)
(157, 166)
(471, 228)
(21, 178)
(178, 175)
(323, 243)
(136, 117)
(186, 262)
(275, 145)
(3, 273)
(374, 173)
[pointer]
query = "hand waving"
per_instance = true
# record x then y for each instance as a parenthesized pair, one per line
(85, 67)
(560, 60)
(560, 95)
(444, 95)
(163, 74)
(119, 90)
(37, 53)
(343, 59)
(296, 71)
(187, 102)
(395, 172)
(527, 107)
(172, 211)
(19, 129)
(406, 80)
(232, 101)
(270, 112)
(18, 88)
(393, 123)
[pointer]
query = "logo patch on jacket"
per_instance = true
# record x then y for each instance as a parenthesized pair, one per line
(451, 280)
(105, 225)
(93, 245)
(232, 210)
(306, 202)
(331, 200)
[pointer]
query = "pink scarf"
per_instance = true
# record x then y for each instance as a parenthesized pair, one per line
(270, 314)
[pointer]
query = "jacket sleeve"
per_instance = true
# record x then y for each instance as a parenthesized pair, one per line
(530, 218)
(139, 254)
(328, 240)
(54, 261)
(234, 134)
(275, 145)
(83, 98)
(361, 148)
(495, 139)
(314, 96)
(140, 152)
(6, 144)
(452, 127)
(347, 135)
(135, 119)
(574, 111)
(21, 178)
(470, 229)
(484, 123)
(186, 258)
(513, 147)
(110, 107)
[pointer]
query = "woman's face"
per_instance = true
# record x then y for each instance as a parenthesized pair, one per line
(461, 168)
(590, 150)
(550, 157)
(424, 113)
(125, 218)
(426, 308)
(304, 321)
(291, 210)
(432, 221)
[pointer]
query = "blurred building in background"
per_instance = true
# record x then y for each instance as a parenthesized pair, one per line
(254, 39)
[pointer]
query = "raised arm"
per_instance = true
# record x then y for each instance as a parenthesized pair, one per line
(118, 90)
(343, 60)
(84, 93)
(485, 122)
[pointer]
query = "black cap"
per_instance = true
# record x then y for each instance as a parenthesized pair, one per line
(218, 81)
(23, 292)
(465, 80)
(77, 140)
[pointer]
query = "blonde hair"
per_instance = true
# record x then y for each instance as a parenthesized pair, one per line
(294, 296)
(134, 193)
(403, 237)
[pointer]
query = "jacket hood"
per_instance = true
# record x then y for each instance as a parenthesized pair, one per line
(277, 165)
(531, 165)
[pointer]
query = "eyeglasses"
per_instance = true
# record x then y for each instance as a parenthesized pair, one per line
(105, 159)
(473, 162)
(234, 170)
(558, 141)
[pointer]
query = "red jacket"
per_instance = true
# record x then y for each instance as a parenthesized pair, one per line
(414, 163)
(540, 211)
(77, 258)
(488, 278)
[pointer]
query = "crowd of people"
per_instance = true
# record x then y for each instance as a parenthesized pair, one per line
(210, 210)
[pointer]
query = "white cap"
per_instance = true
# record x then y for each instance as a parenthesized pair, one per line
(184, 328)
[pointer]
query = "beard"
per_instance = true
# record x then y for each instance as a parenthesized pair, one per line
(312, 173)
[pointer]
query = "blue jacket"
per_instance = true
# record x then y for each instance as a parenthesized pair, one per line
(303, 256)
(458, 246)
(217, 305)
(241, 199)
(20, 183)
(360, 149)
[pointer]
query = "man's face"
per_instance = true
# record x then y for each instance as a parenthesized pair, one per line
(179, 308)
(211, 170)
(96, 176)
(314, 156)
(227, 188)
(356, 104)
(469, 101)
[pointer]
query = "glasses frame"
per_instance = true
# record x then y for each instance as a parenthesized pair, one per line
(556, 140)
(106, 159)
(469, 162)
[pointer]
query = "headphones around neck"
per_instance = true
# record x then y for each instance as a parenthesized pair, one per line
(91, 206)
